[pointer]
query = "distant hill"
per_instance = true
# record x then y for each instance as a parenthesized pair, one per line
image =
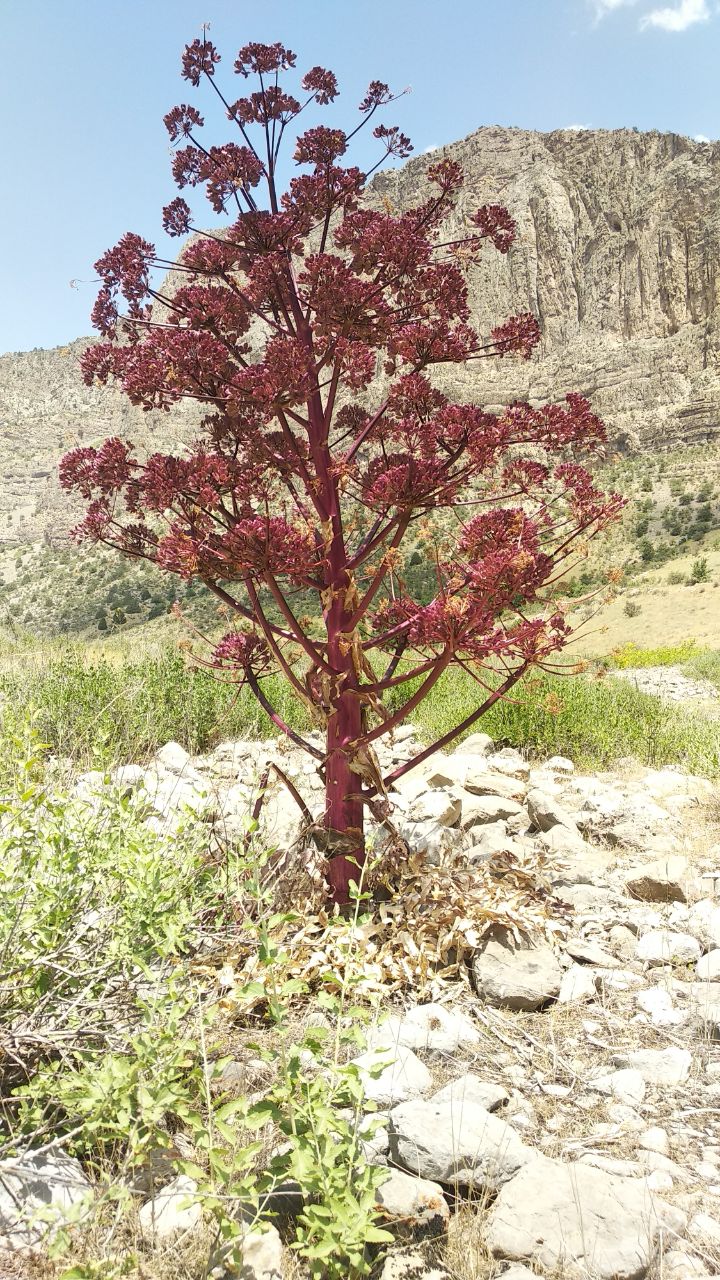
(617, 253)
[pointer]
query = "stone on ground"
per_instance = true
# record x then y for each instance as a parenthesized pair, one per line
(489, 808)
(172, 1212)
(545, 812)
(427, 1026)
(471, 1089)
(708, 967)
(678, 1265)
(32, 1184)
(626, 1085)
(262, 1257)
(173, 757)
(512, 977)
(578, 983)
(705, 1228)
(413, 1208)
(664, 880)
(411, 1266)
(655, 1139)
(657, 1003)
(565, 1215)
(467, 1146)
(662, 946)
(658, 1066)
(406, 1077)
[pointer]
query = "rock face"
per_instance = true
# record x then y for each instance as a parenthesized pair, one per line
(616, 255)
(617, 242)
(564, 1215)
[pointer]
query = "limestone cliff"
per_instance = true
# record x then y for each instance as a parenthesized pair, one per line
(617, 255)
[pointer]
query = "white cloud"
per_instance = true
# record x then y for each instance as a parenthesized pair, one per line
(677, 17)
(433, 147)
(607, 6)
(576, 128)
(700, 137)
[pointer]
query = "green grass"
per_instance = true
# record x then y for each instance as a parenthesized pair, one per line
(705, 665)
(593, 721)
(97, 710)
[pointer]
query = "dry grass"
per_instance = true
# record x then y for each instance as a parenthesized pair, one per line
(669, 613)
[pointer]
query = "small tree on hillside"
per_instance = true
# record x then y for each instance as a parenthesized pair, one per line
(307, 327)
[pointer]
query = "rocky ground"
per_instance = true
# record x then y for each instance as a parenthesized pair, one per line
(559, 1113)
(672, 685)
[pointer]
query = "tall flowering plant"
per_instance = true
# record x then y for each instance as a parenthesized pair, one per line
(308, 327)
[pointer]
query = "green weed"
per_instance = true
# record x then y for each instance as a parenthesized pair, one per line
(668, 655)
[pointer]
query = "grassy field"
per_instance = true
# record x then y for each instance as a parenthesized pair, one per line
(121, 703)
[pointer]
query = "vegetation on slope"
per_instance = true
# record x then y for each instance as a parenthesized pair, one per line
(119, 705)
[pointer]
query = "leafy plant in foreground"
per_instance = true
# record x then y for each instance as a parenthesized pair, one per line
(311, 472)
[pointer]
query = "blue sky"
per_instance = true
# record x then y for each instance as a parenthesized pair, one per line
(86, 82)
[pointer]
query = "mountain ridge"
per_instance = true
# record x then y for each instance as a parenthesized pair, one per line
(617, 251)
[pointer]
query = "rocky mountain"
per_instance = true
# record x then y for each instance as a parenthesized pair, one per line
(617, 255)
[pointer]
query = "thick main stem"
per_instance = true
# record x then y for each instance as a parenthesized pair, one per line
(344, 808)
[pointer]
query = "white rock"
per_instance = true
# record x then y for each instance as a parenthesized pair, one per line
(658, 1066)
(656, 1161)
(568, 840)
(659, 1181)
(655, 1139)
(36, 1183)
(678, 1265)
(657, 1003)
(704, 920)
(491, 808)
(262, 1257)
(489, 839)
(413, 1207)
(611, 1164)
(664, 880)
(545, 812)
(588, 952)
(471, 773)
(618, 979)
(626, 1085)
(561, 1216)
(578, 983)
(708, 966)
(560, 764)
(448, 1144)
(512, 977)
(477, 743)
(703, 1227)
(440, 808)
(471, 1089)
(173, 757)
(406, 1077)
(511, 762)
(662, 946)
(411, 1266)
(129, 777)
(172, 1212)
(427, 1026)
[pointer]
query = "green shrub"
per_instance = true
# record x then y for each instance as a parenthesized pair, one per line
(631, 609)
(700, 571)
